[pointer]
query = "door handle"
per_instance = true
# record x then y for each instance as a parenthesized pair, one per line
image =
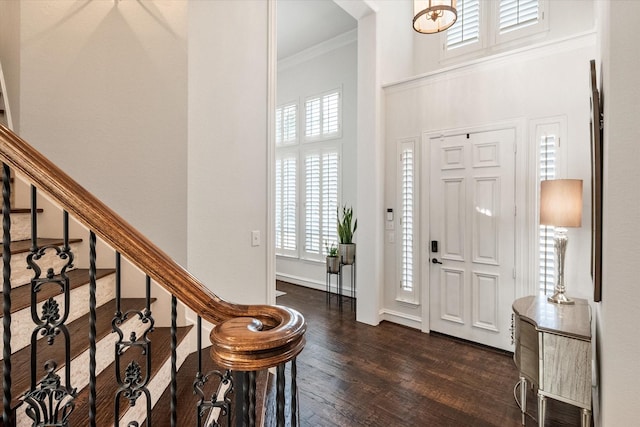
(435, 261)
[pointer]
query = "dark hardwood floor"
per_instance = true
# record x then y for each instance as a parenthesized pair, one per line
(352, 374)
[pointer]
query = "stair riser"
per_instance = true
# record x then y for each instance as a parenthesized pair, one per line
(105, 350)
(20, 226)
(20, 274)
(157, 385)
(22, 323)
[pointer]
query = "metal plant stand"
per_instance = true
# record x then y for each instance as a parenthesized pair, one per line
(339, 287)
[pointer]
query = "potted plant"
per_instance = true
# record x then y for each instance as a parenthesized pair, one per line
(346, 228)
(333, 260)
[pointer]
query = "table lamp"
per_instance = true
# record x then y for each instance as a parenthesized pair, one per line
(561, 207)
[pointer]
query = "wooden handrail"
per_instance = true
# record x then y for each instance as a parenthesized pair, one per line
(246, 337)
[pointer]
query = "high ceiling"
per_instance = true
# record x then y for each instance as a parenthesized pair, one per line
(305, 23)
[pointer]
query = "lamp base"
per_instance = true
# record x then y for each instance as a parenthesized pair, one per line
(560, 298)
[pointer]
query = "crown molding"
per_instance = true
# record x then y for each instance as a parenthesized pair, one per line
(319, 49)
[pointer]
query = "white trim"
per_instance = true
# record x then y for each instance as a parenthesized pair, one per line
(424, 256)
(313, 284)
(272, 73)
(540, 50)
(320, 49)
(414, 322)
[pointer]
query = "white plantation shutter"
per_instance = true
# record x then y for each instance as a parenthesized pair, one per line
(312, 117)
(286, 124)
(321, 200)
(330, 109)
(289, 121)
(329, 199)
(323, 116)
(278, 125)
(547, 169)
(516, 14)
(406, 219)
(286, 212)
(407, 203)
(312, 203)
(466, 29)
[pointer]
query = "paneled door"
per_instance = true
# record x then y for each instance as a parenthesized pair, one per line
(472, 219)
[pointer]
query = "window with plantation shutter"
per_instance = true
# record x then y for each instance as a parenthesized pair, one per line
(286, 204)
(407, 211)
(286, 124)
(487, 25)
(321, 189)
(466, 29)
(547, 261)
(323, 116)
(515, 14)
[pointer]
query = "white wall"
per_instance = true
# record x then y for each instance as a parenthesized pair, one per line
(228, 178)
(103, 95)
(384, 54)
(545, 82)
(618, 316)
(307, 74)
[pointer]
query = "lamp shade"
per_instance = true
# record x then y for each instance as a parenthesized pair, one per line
(561, 202)
(433, 16)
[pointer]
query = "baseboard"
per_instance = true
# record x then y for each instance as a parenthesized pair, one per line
(403, 319)
(313, 284)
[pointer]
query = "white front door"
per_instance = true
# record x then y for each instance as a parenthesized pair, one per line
(472, 219)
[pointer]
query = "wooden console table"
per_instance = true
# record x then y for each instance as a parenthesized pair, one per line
(553, 352)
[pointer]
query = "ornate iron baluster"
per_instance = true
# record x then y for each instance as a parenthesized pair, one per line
(280, 395)
(133, 384)
(294, 393)
(49, 402)
(218, 400)
(92, 329)
(7, 417)
(174, 368)
(252, 397)
(198, 383)
(242, 399)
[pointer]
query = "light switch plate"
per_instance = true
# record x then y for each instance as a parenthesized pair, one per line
(255, 238)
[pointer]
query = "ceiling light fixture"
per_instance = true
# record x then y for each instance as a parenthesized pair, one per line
(433, 16)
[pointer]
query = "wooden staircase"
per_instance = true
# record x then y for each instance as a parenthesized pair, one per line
(88, 335)
(22, 328)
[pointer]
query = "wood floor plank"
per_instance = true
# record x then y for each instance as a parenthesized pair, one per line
(352, 374)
